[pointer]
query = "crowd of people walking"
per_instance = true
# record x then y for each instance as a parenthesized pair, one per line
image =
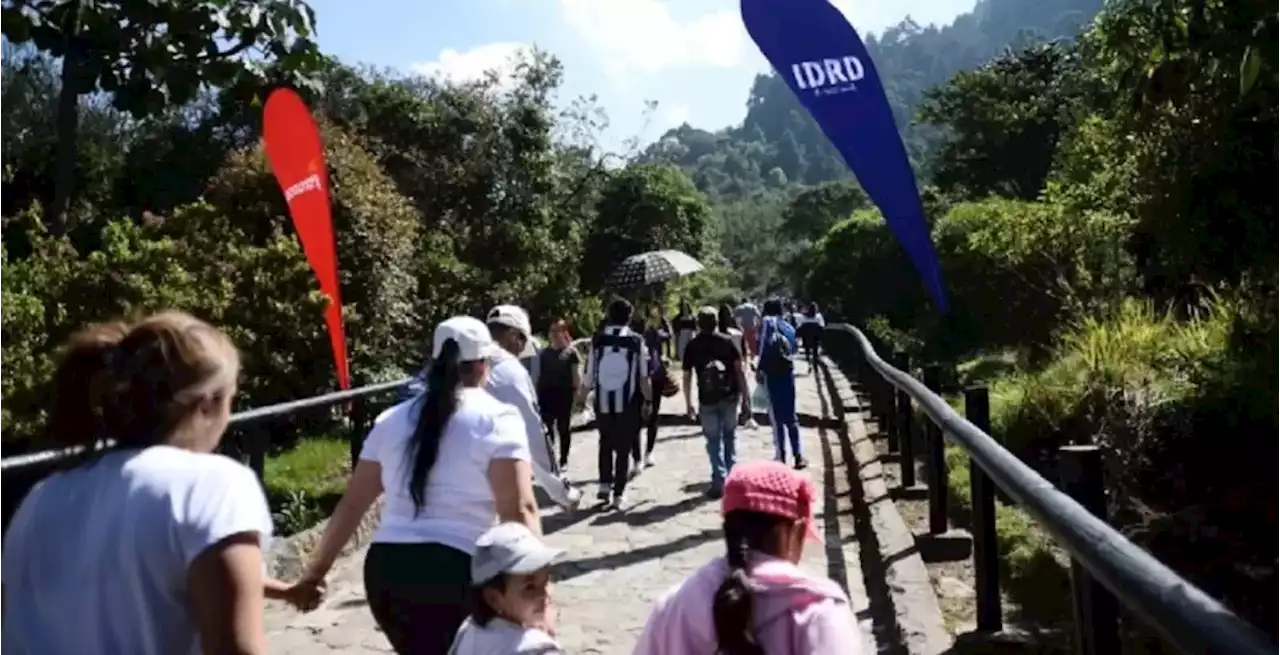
(154, 545)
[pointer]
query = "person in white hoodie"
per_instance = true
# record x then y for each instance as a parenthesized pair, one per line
(511, 382)
(511, 607)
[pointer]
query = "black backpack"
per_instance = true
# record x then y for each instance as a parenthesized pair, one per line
(775, 358)
(715, 383)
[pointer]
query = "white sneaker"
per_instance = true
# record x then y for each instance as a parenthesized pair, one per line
(648, 461)
(574, 497)
(618, 501)
(603, 491)
(636, 468)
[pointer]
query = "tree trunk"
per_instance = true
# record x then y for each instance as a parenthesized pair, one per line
(68, 127)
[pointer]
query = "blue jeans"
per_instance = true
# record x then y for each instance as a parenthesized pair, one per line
(782, 410)
(718, 424)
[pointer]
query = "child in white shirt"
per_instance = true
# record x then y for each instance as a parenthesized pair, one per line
(512, 611)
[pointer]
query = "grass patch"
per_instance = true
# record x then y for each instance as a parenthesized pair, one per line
(306, 482)
(1033, 572)
(1034, 577)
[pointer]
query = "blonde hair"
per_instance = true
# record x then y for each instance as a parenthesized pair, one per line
(135, 383)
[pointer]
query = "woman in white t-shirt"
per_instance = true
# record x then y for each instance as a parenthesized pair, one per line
(151, 546)
(451, 461)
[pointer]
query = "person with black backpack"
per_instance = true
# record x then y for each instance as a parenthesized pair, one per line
(617, 372)
(722, 386)
(777, 372)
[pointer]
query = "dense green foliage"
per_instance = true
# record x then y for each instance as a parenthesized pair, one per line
(1106, 222)
(1103, 208)
(148, 57)
(446, 199)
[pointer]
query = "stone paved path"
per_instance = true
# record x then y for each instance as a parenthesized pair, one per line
(618, 563)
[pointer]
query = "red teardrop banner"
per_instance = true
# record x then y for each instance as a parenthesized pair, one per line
(297, 157)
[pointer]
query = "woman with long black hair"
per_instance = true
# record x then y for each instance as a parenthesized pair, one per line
(685, 326)
(450, 461)
(756, 599)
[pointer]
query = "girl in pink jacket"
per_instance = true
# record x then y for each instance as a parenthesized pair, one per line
(756, 600)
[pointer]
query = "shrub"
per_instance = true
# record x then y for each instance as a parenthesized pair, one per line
(377, 233)
(195, 260)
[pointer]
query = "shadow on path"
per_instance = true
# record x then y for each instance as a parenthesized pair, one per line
(569, 569)
(651, 515)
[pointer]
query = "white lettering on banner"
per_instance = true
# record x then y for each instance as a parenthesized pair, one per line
(308, 183)
(828, 76)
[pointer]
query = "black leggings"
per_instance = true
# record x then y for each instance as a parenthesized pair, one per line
(555, 420)
(418, 594)
(650, 426)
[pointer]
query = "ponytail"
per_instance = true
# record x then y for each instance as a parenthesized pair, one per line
(438, 405)
(733, 610)
(135, 384)
(81, 385)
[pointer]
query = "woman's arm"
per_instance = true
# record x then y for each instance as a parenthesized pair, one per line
(512, 483)
(226, 597)
(363, 487)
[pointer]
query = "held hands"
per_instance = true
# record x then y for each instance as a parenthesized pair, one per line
(305, 594)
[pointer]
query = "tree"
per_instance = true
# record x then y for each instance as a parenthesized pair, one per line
(1003, 122)
(816, 209)
(152, 55)
(644, 207)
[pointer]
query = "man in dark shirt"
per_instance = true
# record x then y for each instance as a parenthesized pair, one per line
(722, 386)
(558, 380)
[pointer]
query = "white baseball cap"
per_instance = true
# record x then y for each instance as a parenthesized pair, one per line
(515, 317)
(510, 548)
(474, 342)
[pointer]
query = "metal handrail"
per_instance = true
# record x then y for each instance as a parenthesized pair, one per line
(1188, 618)
(239, 419)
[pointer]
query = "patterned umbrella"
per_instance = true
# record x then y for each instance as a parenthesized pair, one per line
(652, 268)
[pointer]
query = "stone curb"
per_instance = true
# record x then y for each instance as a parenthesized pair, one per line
(287, 556)
(917, 614)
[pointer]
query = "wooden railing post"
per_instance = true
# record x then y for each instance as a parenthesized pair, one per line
(906, 431)
(358, 430)
(937, 468)
(1096, 613)
(900, 361)
(986, 550)
(258, 440)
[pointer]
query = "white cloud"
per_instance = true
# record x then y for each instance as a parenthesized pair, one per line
(473, 64)
(642, 36)
(674, 116)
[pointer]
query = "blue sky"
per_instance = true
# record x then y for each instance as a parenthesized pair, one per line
(691, 56)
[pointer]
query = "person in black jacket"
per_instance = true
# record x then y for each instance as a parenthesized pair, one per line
(558, 380)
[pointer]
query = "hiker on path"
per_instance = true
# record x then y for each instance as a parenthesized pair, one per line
(152, 545)
(726, 323)
(558, 381)
(776, 371)
(722, 386)
(748, 317)
(451, 462)
(510, 382)
(659, 376)
(685, 325)
(810, 331)
(512, 612)
(617, 373)
(755, 599)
